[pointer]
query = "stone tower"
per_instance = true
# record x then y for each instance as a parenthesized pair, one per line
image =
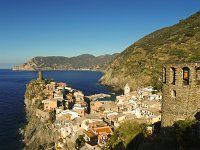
(181, 92)
(40, 76)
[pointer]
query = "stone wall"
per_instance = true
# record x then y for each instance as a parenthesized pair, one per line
(181, 100)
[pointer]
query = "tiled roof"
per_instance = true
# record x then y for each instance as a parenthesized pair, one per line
(106, 129)
(90, 133)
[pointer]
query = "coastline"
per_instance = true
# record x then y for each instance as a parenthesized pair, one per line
(29, 132)
(100, 82)
(58, 70)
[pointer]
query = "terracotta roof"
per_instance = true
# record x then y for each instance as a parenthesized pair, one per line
(106, 129)
(61, 84)
(90, 133)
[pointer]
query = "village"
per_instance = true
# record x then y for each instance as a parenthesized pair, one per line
(73, 114)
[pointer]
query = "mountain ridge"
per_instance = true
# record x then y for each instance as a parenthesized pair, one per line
(81, 62)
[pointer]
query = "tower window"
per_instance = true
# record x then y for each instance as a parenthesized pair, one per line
(186, 75)
(198, 75)
(172, 75)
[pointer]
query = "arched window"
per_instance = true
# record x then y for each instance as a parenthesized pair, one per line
(198, 75)
(164, 75)
(172, 75)
(186, 76)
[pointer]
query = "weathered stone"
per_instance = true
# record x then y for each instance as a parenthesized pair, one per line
(181, 92)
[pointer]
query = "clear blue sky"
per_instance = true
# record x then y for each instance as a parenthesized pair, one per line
(30, 28)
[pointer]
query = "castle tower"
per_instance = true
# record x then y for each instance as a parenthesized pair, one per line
(181, 92)
(127, 89)
(40, 76)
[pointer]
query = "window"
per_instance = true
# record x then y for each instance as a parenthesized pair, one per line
(173, 93)
(172, 75)
(198, 75)
(164, 75)
(186, 75)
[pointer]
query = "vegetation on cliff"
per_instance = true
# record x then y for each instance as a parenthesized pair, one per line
(141, 63)
(37, 134)
(123, 135)
(132, 136)
(85, 61)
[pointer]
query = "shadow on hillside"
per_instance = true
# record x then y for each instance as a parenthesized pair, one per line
(184, 135)
(119, 146)
(197, 116)
(163, 139)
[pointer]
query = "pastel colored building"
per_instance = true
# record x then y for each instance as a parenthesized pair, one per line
(50, 104)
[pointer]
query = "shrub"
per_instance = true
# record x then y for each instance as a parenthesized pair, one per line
(80, 142)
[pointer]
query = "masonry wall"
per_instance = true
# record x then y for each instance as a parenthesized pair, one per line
(180, 101)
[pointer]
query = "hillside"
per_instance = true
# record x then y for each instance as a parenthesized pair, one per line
(85, 61)
(141, 63)
(183, 135)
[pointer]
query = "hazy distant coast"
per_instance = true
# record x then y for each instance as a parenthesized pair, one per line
(82, 62)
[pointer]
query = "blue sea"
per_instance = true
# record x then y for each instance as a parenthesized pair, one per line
(12, 89)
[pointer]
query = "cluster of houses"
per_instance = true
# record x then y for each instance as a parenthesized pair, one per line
(60, 97)
(71, 116)
(95, 120)
(143, 105)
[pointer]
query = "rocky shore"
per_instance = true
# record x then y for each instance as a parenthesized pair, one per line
(37, 135)
(47, 128)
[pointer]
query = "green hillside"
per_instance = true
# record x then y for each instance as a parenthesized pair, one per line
(141, 63)
(183, 135)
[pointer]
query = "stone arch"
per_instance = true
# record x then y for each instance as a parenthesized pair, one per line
(164, 75)
(172, 75)
(198, 75)
(186, 75)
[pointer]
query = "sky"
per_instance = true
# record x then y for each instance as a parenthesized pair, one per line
(30, 28)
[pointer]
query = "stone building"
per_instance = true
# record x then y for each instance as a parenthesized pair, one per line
(181, 92)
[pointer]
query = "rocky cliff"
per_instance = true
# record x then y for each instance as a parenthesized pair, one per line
(41, 132)
(141, 63)
(84, 61)
(37, 134)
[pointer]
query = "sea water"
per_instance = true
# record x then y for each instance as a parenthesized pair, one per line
(12, 90)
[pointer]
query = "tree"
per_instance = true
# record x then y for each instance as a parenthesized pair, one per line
(80, 142)
(124, 134)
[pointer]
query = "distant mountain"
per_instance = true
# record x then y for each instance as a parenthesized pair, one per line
(141, 63)
(85, 61)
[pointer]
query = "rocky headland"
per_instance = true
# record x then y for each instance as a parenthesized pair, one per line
(37, 134)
